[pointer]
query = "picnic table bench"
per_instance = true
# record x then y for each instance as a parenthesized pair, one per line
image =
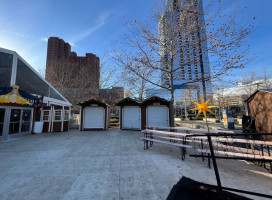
(235, 154)
(176, 138)
(225, 143)
(188, 130)
(233, 148)
(166, 137)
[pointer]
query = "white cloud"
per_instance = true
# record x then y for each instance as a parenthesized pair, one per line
(44, 39)
(17, 34)
(102, 18)
(72, 44)
(99, 22)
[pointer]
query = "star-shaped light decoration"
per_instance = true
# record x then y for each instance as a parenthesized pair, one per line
(203, 107)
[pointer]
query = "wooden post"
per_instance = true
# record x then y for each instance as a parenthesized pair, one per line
(33, 121)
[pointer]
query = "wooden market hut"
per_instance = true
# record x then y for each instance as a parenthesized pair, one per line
(155, 112)
(130, 114)
(260, 108)
(55, 118)
(94, 115)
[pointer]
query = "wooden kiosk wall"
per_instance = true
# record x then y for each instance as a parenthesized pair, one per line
(127, 102)
(94, 103)
(153, 101)
(52, 125)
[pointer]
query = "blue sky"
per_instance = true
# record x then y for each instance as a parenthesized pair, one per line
(93, 25)
(90, 26)
(261, 39)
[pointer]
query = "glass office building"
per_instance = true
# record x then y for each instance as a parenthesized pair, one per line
(191, 61)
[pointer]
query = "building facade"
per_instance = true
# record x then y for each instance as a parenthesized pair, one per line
(109, 96)
(190, 56)
(23, 95)
(64, 69)
(234, 97)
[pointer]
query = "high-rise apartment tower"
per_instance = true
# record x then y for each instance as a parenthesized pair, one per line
(191, 62)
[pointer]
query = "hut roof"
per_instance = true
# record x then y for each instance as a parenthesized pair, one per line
(128, 100)
(155, 99)
(92, 101)
(266, 90)
(261, 90)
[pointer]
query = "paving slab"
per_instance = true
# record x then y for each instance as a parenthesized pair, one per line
(108, 165)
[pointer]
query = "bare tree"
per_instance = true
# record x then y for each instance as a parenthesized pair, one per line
(174, 44)
(244, 87)
(71, 80)
(266, 79)
(109, 76)
(66, 75)
(253, 81)
(41, 71)
(133, 83)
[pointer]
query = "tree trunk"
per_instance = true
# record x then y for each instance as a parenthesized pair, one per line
(201, 59)
(172, 114)
(172, 87)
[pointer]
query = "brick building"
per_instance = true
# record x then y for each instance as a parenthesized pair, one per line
(77, 77)
(109, 96)
(64, 69)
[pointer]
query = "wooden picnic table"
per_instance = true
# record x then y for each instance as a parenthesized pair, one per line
(191, 130)
(175, 139)
(237, 140)
(235, 154)
(166, 133)
(193, 138)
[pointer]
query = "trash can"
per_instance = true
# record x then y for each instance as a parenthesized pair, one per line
(38, 127)
(228, 119)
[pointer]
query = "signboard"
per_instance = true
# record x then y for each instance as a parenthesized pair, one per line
(12, 96)
(228, 119)
(94, 105)
(156, 104)
(225, 118)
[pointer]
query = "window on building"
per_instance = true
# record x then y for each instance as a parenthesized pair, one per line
(26, 120)
(28, 80)
(45, 115)
(5, 68)
(57, 115)
(66, 115)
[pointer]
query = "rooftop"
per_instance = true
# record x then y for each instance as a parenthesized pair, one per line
(244, 88)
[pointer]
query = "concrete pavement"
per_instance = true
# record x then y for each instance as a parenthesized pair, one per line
(85, 165)
(200, 124)
(107, 165)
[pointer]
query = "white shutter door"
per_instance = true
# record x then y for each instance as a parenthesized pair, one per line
(157, 116)
(94, 117)
(131, 117)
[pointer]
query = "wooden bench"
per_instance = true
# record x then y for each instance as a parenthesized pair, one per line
(174, 138)
(237, 140)
(218, 145)
(158, 132)
(165, 142)
(189, 130)
(235, 154)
